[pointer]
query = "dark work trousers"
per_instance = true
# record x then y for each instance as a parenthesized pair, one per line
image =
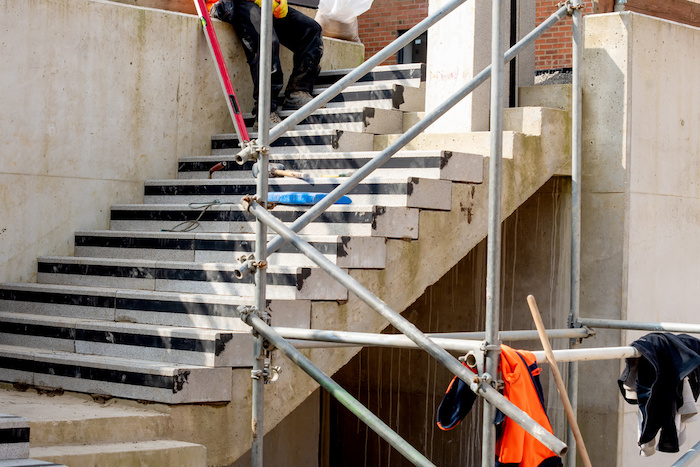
(296, 31)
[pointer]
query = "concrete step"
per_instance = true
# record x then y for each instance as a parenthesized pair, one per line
(113, 376)
(157, 452)
(300, 141)
(146, 307)
(409, 74)
(412, 192)
(443, 165)
(283, 282)
(186, 345)
(70, 419)
(350, 220)
(14, 437)
(380, 95)
(28, 463)
(346, 252)
(351, 119)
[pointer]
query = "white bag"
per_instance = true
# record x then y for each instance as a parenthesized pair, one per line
(344, 11)
(338, 18)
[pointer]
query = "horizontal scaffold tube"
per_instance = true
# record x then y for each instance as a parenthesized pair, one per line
(305, 340)
(404, 326)
(404, 139)
(585, 355)
(688, 458)
(640, 325)
(455, 341)
(352, 404)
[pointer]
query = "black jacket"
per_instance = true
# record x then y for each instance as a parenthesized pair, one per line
(666, 360)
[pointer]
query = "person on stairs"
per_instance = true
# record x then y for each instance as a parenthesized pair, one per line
(292, 29)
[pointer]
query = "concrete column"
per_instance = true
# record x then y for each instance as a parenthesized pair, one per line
(459, 47)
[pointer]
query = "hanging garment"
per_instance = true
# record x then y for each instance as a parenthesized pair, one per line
(654, 382)
(515, 446)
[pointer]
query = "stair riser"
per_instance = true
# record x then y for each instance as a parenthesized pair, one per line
(14, 437)
(139, 307)
(206, 256)
(226, 249)
(367, 120)
(454, 166)
(148, 308)
(390, 222)
(412, 192)
(50, 303)
(171, 387)
(338, 141)
(399, 97)
(225, 350)
(279, 286)
(409, 74)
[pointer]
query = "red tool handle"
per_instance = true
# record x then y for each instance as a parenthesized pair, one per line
(224, 79)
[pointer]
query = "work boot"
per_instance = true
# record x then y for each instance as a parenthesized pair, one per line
(296, 100)
(274, 120)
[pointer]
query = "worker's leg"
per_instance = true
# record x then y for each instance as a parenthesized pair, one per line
(245, 19)
(301, 35)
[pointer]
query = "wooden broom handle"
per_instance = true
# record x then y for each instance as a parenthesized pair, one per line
(560, 382)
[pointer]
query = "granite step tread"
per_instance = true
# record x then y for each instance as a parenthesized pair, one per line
(145, 306)
(169, 383)
(283, 282)
(352, 219)
(296, 141)
(444, 165)
(414, 192)
(353, 119)
(344, 251)
(205, 347)
(408, 73)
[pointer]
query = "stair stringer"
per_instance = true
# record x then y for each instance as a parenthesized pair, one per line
(412, 266)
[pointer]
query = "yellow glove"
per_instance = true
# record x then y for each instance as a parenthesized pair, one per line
(279, 9)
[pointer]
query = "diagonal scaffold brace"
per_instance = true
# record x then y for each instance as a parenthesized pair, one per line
(224, 79)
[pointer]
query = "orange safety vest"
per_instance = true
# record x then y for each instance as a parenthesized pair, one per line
(515, 445)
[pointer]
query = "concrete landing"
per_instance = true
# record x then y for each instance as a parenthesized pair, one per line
(75, 430)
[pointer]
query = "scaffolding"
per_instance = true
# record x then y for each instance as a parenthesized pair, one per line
(481, 349)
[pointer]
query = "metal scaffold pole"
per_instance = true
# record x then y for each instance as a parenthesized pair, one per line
(259, 353)
(493, 266)
(576, 115)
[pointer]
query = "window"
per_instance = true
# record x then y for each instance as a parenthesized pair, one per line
(416, 51)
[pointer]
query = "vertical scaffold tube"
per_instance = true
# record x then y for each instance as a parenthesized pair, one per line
(258, 389)
(493, 267)
(576, 116)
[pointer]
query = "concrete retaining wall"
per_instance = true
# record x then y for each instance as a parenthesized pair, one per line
(96, 97)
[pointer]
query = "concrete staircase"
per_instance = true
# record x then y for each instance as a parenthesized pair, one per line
(146, 310)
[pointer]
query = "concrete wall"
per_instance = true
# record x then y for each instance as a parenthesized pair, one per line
(641, 214)
(95, 98)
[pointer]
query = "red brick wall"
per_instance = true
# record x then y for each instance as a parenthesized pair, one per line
(553, 48)
(381, 23)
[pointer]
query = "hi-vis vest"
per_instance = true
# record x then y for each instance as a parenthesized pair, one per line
(515, 446)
